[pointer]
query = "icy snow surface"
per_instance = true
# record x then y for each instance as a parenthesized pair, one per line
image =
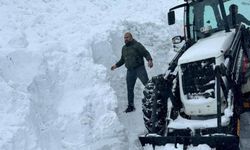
(57, 90)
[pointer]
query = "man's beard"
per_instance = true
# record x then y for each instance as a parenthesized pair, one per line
(127, 42)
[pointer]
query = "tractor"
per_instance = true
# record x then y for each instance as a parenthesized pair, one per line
(200, 98)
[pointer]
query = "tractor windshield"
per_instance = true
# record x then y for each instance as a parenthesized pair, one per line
(205, 17)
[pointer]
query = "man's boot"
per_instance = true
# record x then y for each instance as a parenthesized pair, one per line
(130, 109)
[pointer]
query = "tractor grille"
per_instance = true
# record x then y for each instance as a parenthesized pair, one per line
(198, 78)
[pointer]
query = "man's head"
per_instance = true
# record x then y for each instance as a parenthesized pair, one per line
(233, 9)
(128, 37)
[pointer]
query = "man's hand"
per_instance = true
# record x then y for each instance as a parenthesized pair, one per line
(113, 67)
(150, 63)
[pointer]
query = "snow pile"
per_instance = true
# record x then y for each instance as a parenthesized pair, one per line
(54, 70)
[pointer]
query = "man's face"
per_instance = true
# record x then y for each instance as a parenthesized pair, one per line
(127, 38)
(234, 9)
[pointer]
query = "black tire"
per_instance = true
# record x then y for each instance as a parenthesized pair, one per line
(150, 92)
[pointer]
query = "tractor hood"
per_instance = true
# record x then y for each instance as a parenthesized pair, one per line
(213, 46)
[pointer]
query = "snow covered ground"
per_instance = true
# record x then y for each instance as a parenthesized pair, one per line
(57, 90)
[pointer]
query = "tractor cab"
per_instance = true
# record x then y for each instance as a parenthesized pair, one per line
(202, 18)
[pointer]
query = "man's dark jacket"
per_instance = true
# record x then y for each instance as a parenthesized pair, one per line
(238, 19)
(132, 55)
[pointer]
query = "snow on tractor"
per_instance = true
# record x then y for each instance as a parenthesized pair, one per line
(200, 98)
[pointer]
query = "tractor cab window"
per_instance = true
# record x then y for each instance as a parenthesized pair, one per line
(204, 18)
(210, 20)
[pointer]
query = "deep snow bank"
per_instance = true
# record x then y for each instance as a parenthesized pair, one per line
(54, 76)
(155, 37)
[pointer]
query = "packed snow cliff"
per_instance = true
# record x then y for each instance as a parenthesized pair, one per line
(57, 90)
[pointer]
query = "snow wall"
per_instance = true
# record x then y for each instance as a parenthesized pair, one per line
(57, 90)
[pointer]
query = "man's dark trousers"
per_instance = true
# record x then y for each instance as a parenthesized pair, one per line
(132, 75)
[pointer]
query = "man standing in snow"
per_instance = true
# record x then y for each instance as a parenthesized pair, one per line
(132, 56)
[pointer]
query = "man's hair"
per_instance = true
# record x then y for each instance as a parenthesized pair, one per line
(233, 8)
(128, 33)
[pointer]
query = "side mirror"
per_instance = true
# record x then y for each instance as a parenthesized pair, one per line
(171, 17)
(177, 39)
